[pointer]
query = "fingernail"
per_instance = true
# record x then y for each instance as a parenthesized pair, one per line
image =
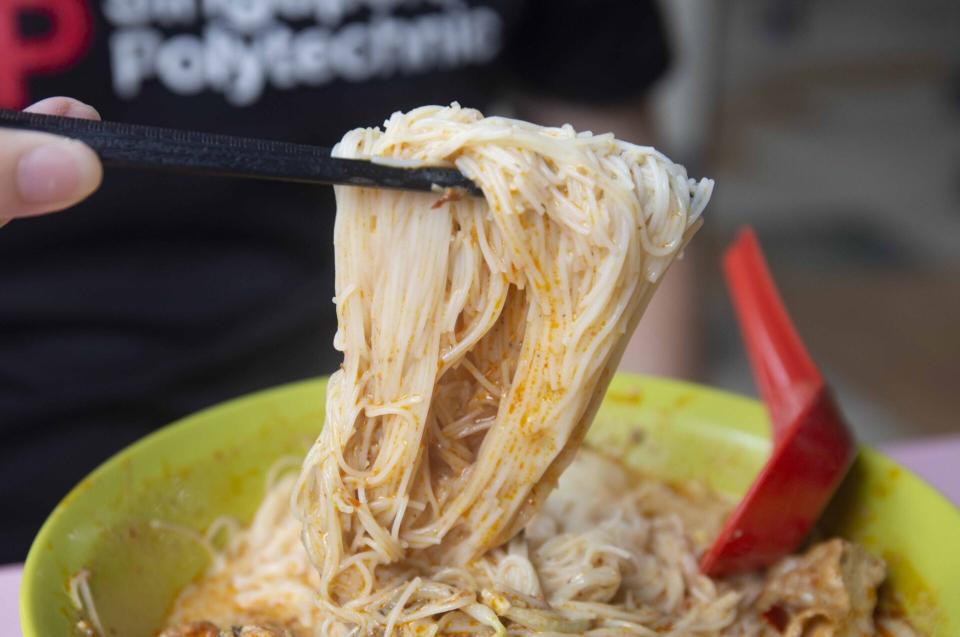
(48, 174)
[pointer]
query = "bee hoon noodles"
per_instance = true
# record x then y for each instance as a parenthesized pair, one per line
(478, 337)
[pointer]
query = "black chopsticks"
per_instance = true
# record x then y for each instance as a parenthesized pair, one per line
(152, 148)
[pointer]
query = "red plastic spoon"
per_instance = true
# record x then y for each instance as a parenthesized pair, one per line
(812, 446)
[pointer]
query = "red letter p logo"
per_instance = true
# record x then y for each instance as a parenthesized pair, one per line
(62, 45)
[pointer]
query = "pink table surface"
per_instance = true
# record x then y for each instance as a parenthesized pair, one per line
(936, 460)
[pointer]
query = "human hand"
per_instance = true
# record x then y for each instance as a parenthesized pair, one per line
(42, 173)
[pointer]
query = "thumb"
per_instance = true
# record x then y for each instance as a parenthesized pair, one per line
(42, 173)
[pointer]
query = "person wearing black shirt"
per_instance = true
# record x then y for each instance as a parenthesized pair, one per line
(162, 294)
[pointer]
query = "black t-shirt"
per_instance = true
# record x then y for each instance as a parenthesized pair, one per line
(163, 294)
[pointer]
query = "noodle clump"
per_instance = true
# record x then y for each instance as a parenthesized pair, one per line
(478, 338)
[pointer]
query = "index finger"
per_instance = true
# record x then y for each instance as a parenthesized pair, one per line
(65, 107)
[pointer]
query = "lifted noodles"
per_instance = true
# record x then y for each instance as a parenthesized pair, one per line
(478, 339)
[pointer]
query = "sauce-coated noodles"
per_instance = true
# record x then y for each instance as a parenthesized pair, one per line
(478, 337)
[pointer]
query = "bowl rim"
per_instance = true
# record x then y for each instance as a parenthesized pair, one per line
(172, 429)
(740, 412)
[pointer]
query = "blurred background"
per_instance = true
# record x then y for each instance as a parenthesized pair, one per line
(833, 128)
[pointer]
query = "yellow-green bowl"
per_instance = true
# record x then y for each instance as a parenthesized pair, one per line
(213, 463)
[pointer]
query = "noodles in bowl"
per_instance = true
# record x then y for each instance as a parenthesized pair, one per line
(609, 554)
(478, 339)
